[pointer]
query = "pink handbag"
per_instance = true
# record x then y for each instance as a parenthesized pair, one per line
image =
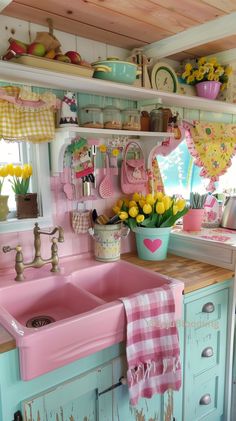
(133, 172)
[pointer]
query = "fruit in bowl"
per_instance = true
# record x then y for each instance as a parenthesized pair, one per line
(36, 49)
(16, 48)
(50, 54)
(62, 57)
(74, 57)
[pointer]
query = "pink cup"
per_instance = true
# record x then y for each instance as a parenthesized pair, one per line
(192, 220)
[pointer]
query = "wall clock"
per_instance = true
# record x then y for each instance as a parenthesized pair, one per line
(163, 78)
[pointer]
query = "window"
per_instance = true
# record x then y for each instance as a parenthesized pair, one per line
(180, 175)
(37, 155)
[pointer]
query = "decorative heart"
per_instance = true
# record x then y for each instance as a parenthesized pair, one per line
(152, 245)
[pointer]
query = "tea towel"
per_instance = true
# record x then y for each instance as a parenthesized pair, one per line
(152, 344)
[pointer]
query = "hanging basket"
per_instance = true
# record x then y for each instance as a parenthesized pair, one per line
(26, 205)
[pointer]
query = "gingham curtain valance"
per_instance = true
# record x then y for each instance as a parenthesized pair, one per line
(24, 116)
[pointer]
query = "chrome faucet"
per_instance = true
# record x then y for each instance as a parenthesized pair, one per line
(38, 261)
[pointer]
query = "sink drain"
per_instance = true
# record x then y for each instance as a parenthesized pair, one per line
(39, 321)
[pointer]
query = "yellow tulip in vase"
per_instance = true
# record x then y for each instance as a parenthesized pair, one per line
(26, 203)
(151, 218)
(4, 210)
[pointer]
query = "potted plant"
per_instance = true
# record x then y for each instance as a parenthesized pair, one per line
(3, 198)
(151, 218)
(192, 221)
(208, 76)
(26, 203)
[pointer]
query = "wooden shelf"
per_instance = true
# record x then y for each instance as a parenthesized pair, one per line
(18, 73)
(64, 135)
(110, 132)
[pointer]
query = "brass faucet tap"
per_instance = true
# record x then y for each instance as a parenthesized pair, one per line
(38, 261)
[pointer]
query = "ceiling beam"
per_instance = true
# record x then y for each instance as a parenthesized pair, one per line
(4, 3)
(225, 57)
(201, 34)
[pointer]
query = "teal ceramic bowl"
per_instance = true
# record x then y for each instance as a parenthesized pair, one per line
(115, 71)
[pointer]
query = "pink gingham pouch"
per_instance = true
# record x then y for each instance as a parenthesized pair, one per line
(81, 221)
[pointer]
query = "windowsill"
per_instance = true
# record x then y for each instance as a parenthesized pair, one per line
(15, 225)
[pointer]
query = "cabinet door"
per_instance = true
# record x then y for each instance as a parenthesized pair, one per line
(77, 399)
(205, 356)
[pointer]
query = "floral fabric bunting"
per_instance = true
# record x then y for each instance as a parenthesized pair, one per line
(212, 145)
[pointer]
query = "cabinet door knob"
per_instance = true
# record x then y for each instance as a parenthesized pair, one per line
(208, 308)
(207, 352)
(205, 399)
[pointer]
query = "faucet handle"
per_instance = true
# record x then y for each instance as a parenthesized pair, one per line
(6, 249)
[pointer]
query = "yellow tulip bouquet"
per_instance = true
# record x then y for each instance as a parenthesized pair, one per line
(21, 177)
(150, 211)
(3, 174)
(206, 70)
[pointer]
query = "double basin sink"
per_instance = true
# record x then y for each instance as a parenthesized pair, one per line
(58, 318)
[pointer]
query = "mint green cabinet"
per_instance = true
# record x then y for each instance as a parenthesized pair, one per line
(77, 399)
(205, 343)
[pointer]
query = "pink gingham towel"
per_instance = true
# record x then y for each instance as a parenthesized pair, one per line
(152, 344)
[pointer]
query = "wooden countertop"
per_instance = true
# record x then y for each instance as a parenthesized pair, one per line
(7, 342)
(194, 274)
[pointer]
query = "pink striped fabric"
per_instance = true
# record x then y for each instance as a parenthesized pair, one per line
(152, 344)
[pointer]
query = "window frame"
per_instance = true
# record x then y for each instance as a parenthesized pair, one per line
(38, 155)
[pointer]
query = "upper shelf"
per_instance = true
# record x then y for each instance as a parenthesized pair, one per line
(112, 132)
(13, 72)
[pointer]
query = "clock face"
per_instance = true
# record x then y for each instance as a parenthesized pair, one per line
(164, 78)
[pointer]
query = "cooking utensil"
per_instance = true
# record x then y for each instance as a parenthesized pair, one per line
(94, 215)
(114, 220)
(229, 213)
(102, 220)
(94, 152)
(106, 187)
(116, 71)
(68, 187)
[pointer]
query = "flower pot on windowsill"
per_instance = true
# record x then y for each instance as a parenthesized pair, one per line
(4, 210)
(26, 205)
(192, 221)
(208, 89)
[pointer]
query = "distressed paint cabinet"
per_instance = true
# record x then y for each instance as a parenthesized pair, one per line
(75, 392)
(75, 399)
(205, 344)
(78, 392)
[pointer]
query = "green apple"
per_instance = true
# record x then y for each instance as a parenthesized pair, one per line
(36, 49)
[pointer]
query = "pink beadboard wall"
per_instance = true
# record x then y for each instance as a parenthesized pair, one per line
(73, 244)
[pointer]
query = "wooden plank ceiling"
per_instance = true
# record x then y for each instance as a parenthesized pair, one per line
(128, 23)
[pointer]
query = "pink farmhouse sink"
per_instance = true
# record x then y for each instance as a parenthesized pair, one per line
(81, 306)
